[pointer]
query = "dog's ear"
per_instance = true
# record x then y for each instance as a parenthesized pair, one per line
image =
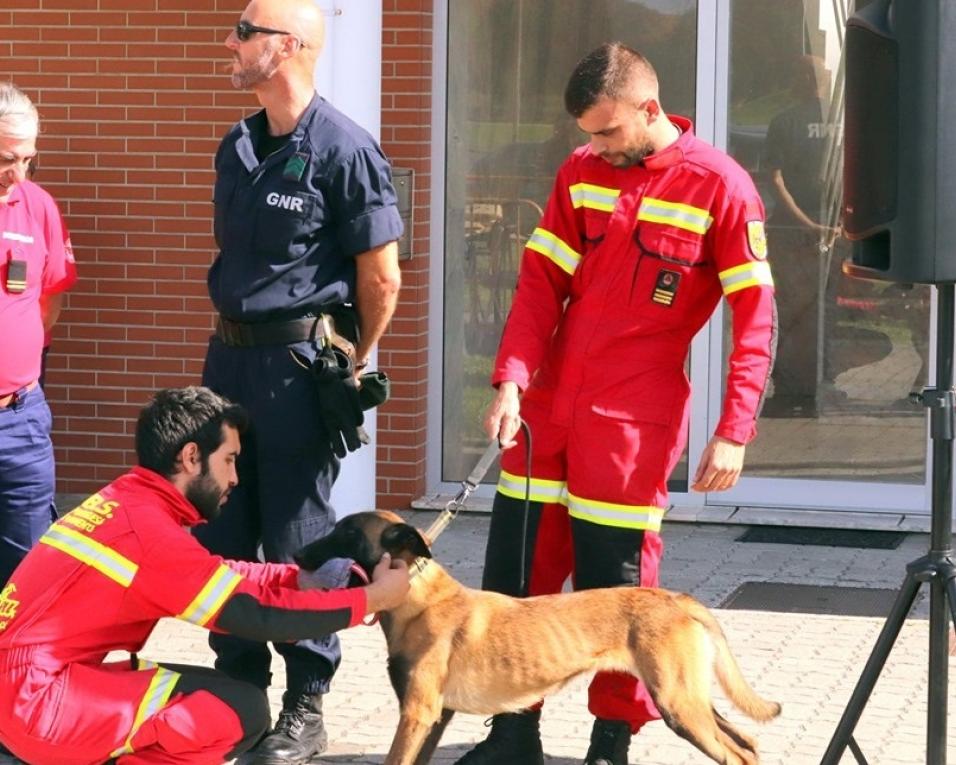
(401, 538)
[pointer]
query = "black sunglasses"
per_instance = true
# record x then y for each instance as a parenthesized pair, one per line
(244, 30)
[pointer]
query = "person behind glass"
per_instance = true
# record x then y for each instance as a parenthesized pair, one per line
(103, 575)
(306, 222)
(646, 228)
(36, 267)
(796, 151)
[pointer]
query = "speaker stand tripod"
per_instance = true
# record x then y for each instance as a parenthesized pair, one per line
(936, 569)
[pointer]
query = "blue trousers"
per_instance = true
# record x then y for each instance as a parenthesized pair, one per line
(286, 469)
(27, 477)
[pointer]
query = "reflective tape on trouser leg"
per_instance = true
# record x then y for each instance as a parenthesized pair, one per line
(538, 489)
(616, 514)
(211, 719)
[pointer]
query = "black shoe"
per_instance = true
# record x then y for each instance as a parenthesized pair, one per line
(515, 739)
(610, 740)
(298, 735)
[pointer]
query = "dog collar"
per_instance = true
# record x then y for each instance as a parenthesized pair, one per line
(418, 567)
(369, 620)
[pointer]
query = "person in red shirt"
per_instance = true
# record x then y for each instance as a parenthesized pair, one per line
(36, 267)
(103, 575)
(646, 228)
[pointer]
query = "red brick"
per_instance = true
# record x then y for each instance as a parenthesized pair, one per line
(128, 34)
(25, 18)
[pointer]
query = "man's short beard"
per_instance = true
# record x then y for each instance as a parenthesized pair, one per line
(203, 493)
(638, 154)
(255, 73)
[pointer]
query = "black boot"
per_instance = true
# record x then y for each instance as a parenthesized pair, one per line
(298, 734)
(610, 740)
(515, 739)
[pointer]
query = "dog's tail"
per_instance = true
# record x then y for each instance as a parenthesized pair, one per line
(728, 672)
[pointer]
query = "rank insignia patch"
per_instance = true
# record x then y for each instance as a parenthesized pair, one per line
(16, 281)
(757, 239)
(666, 287)
(295, 167)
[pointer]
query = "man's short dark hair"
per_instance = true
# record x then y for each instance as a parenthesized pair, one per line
(178, 416)
(605, 72)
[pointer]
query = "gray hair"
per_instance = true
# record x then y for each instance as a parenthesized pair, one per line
(18, 115)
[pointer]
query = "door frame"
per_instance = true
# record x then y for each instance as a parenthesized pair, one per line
(706, 359)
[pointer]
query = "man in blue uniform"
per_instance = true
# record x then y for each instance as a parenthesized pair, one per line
(307, 226)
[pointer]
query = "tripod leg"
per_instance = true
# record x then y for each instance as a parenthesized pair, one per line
(951, 592)
(871, 672)
(938, 674)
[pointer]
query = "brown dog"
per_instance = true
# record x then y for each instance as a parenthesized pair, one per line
(452, 648)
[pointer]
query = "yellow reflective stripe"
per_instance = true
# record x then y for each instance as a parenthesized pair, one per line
(594, 197)
(211, 596)
(108, 562)
(675, 214)
(542, 489)
(160, 689)
(563, 256)
(645, 517)
(752, 274)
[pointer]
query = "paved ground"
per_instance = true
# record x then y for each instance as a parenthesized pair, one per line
(808, 662)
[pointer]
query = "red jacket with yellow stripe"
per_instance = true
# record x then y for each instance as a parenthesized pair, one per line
(624, 269)
(105, 573)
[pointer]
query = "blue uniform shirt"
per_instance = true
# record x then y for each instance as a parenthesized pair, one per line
(288, 228)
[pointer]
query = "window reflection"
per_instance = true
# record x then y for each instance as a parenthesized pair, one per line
(850, 351)
(508, 64)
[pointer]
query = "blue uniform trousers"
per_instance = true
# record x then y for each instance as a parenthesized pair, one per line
(286, 469)
(27, 477)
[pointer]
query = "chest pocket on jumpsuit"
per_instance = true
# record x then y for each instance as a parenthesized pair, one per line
(672, 273)
(286, 220)
(595, 229)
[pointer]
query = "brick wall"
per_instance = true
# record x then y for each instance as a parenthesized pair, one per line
(406, 138)
(133, 99)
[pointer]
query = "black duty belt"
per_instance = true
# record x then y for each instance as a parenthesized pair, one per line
(267, 333)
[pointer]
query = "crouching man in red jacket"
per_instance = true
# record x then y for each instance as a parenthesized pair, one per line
(104, 574)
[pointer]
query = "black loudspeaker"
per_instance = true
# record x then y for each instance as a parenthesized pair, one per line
(900, 141)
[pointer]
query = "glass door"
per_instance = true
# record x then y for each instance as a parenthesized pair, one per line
(506, 134)
(838, 429)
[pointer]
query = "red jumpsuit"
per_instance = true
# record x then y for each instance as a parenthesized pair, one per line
(98, 581)
(624, 269)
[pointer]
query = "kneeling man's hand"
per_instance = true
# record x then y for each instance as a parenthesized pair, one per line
(390, 585)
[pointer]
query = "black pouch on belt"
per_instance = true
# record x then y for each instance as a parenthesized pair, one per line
(339, 404)
(374, 389)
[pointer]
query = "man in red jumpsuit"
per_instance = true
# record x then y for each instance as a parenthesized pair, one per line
(646, 228)
(104, 574)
